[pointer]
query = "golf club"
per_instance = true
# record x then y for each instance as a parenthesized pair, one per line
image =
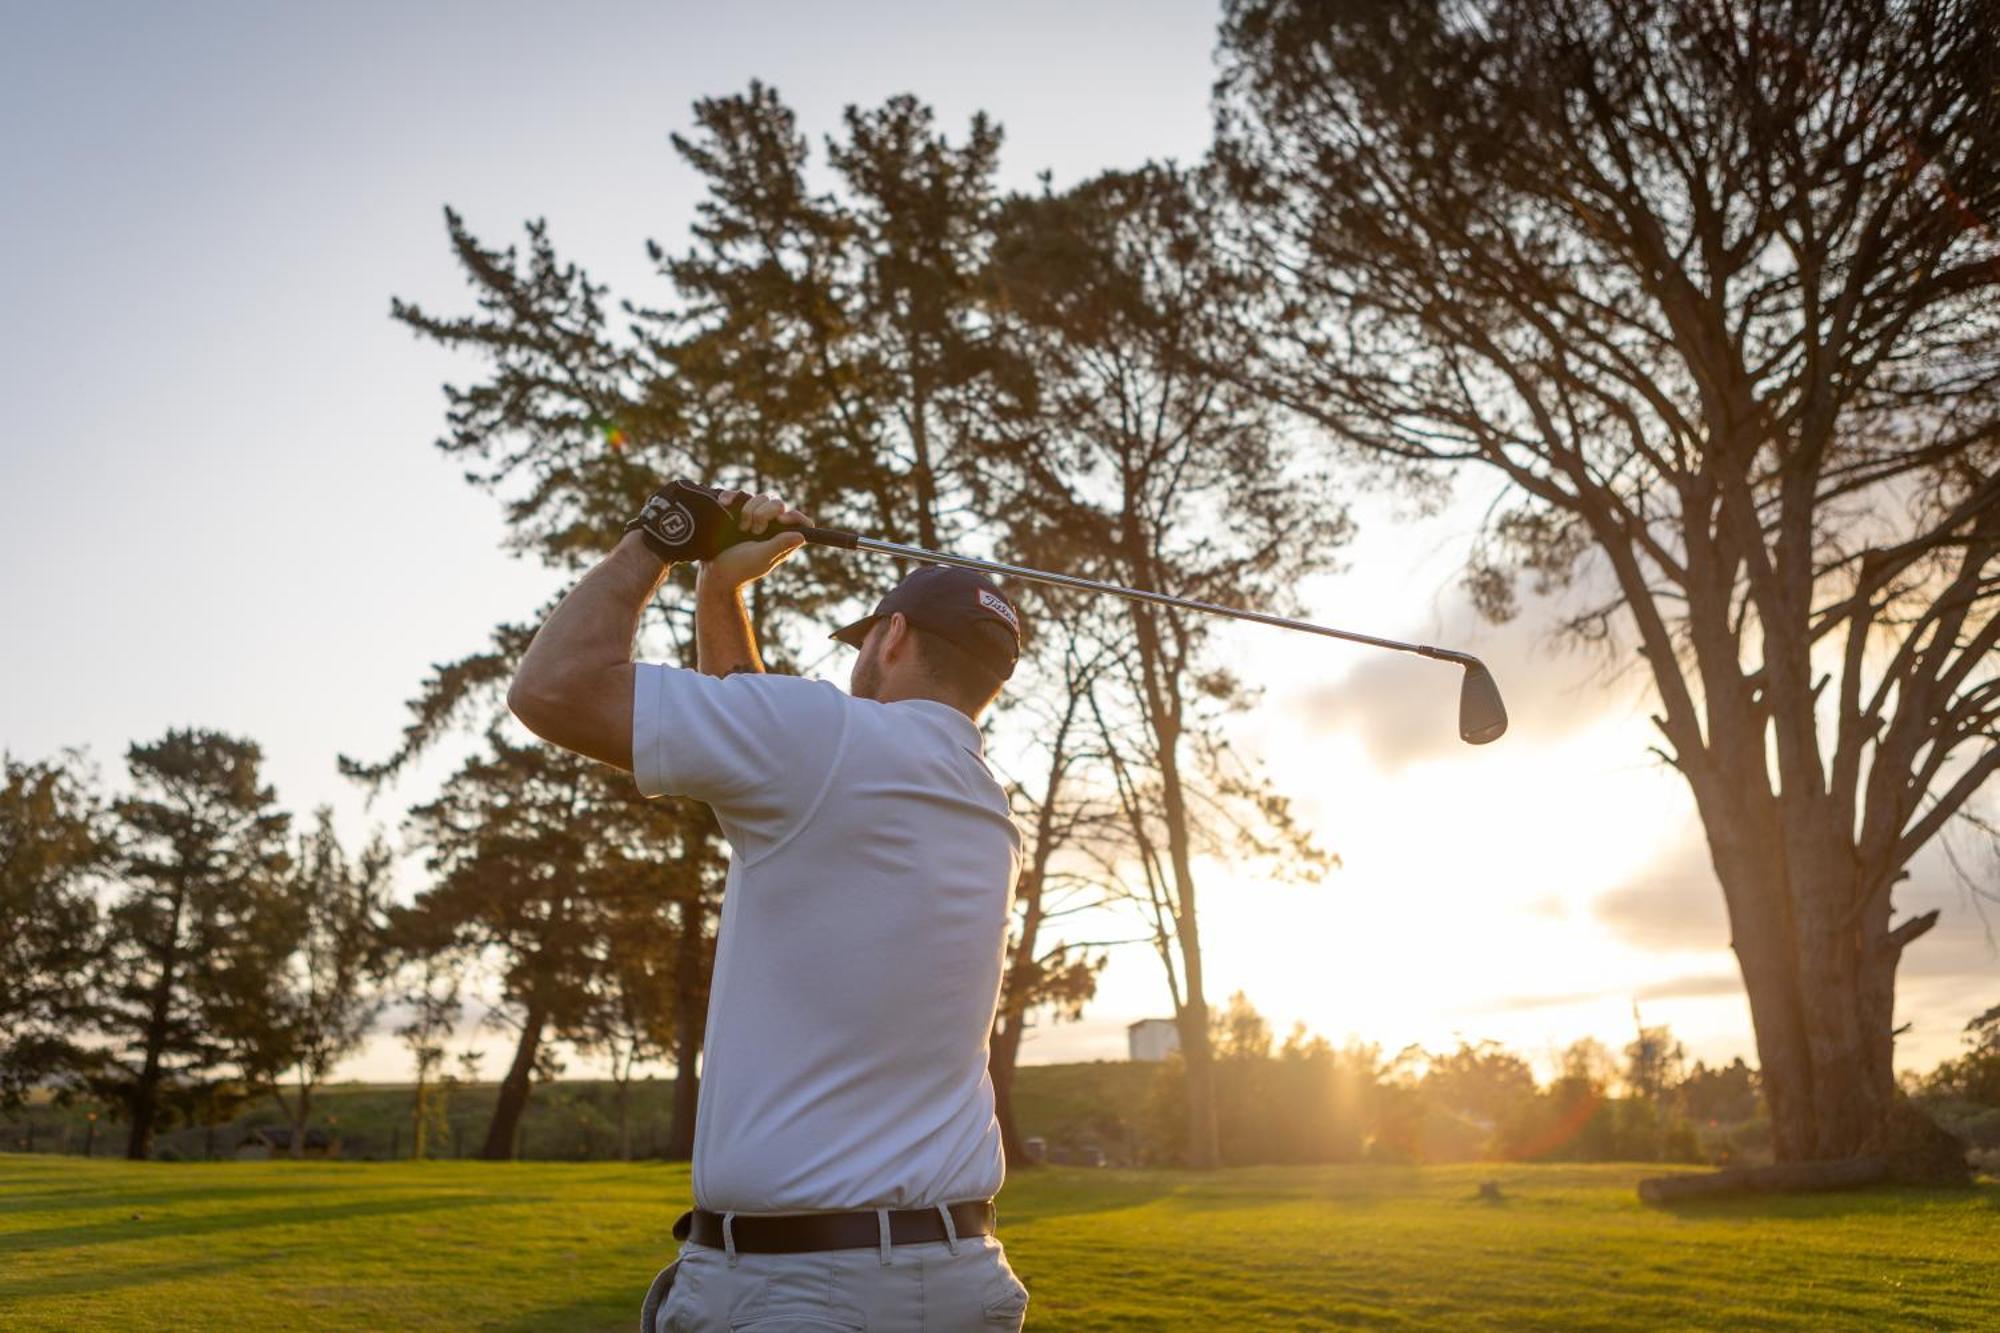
(1482, 717)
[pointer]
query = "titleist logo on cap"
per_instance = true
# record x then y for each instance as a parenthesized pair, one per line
(997, 604)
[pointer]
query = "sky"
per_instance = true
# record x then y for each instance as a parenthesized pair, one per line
(220, 507)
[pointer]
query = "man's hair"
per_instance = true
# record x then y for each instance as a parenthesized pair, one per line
(969, 683)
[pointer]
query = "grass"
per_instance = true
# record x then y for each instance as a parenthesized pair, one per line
(100, 1244)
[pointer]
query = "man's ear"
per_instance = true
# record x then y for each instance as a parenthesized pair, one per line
(897, 640)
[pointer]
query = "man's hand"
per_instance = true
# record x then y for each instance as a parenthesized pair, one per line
(746, 562)
(724, 641)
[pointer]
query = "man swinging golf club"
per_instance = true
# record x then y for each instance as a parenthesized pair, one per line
(846, 1152)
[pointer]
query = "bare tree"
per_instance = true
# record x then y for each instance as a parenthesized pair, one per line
(1142, 467)
(1060, 808)
(1712, 288)
(434, 1007)
(318, 998)
(632, 1021)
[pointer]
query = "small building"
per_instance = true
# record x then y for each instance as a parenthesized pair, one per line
(270, 1142)
(1152, 1039)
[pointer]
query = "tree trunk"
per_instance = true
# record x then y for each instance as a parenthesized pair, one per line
(514, 1089)
(139, 1142)
(690, 1022)
(1163, 711)
(624, 1126)
(687, 1099)
(146, 1091)
(1204, 1141)
(299, 1124)
(419, 1117)
(1004, 1051)
(1818, 963)
(1000, 1058)
(1191, 1018)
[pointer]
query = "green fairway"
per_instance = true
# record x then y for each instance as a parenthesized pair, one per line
(96, 1244)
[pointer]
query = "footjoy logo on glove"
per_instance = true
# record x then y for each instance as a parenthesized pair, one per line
(997, 604)
(670, 522)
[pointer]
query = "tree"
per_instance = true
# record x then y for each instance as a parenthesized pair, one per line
(634, 1020)
(54, 843)
(840, 346)
(1706, 287)
(433, 998)
(1654, 1062)
(1725, 1094)
(1483, 1078)
(319, 1001)
(203, 854)
(1059, 813)
(1569, 1123)
(1239, 1032)
(697, 878)
(533, 848)
(1124, 470)
(629, 1033)
(1974, 1076)
(1307, 1103)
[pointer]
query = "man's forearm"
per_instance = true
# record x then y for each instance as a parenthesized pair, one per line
(574, 683)
(724, 642)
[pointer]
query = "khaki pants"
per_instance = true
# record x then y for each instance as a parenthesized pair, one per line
(905, 1289)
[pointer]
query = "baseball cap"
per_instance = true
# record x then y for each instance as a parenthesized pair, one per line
(963, 608)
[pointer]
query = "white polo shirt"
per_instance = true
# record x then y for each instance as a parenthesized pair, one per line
(858, 961)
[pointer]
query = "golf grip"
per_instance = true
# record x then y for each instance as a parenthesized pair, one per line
(840, 537)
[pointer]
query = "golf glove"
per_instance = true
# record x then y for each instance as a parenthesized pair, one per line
(683, 521)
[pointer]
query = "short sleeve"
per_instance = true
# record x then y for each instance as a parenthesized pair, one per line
(758, 748)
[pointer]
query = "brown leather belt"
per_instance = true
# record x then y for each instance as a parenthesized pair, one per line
(799, 1233)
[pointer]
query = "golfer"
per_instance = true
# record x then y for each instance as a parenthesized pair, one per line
(846, 1153)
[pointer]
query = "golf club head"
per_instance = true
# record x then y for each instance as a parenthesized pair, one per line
(1481, 715)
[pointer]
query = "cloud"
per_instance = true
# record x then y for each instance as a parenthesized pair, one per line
(1697, 985)
(1693, 987)
(1674, 904)
(1517, 1003)
(1404, 710)
(1966, 940)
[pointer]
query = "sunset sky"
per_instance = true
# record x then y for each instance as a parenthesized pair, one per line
(219, 505)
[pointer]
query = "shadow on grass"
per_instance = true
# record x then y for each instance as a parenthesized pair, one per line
(96, 1281)
(604, 1312)
(85, 1197)
(1070, 1191)
(1051, 1192)
(1883, 1200)
(118, 1231)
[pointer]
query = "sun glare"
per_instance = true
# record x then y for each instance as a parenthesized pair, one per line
(1464, 896)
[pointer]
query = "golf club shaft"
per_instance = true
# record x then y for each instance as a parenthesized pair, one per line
(856, 542)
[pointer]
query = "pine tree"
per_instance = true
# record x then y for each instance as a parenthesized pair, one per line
(203, 862)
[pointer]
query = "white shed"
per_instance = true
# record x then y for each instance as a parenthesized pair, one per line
(1152, 1039)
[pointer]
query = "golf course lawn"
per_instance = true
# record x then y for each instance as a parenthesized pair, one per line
(545, 1245)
